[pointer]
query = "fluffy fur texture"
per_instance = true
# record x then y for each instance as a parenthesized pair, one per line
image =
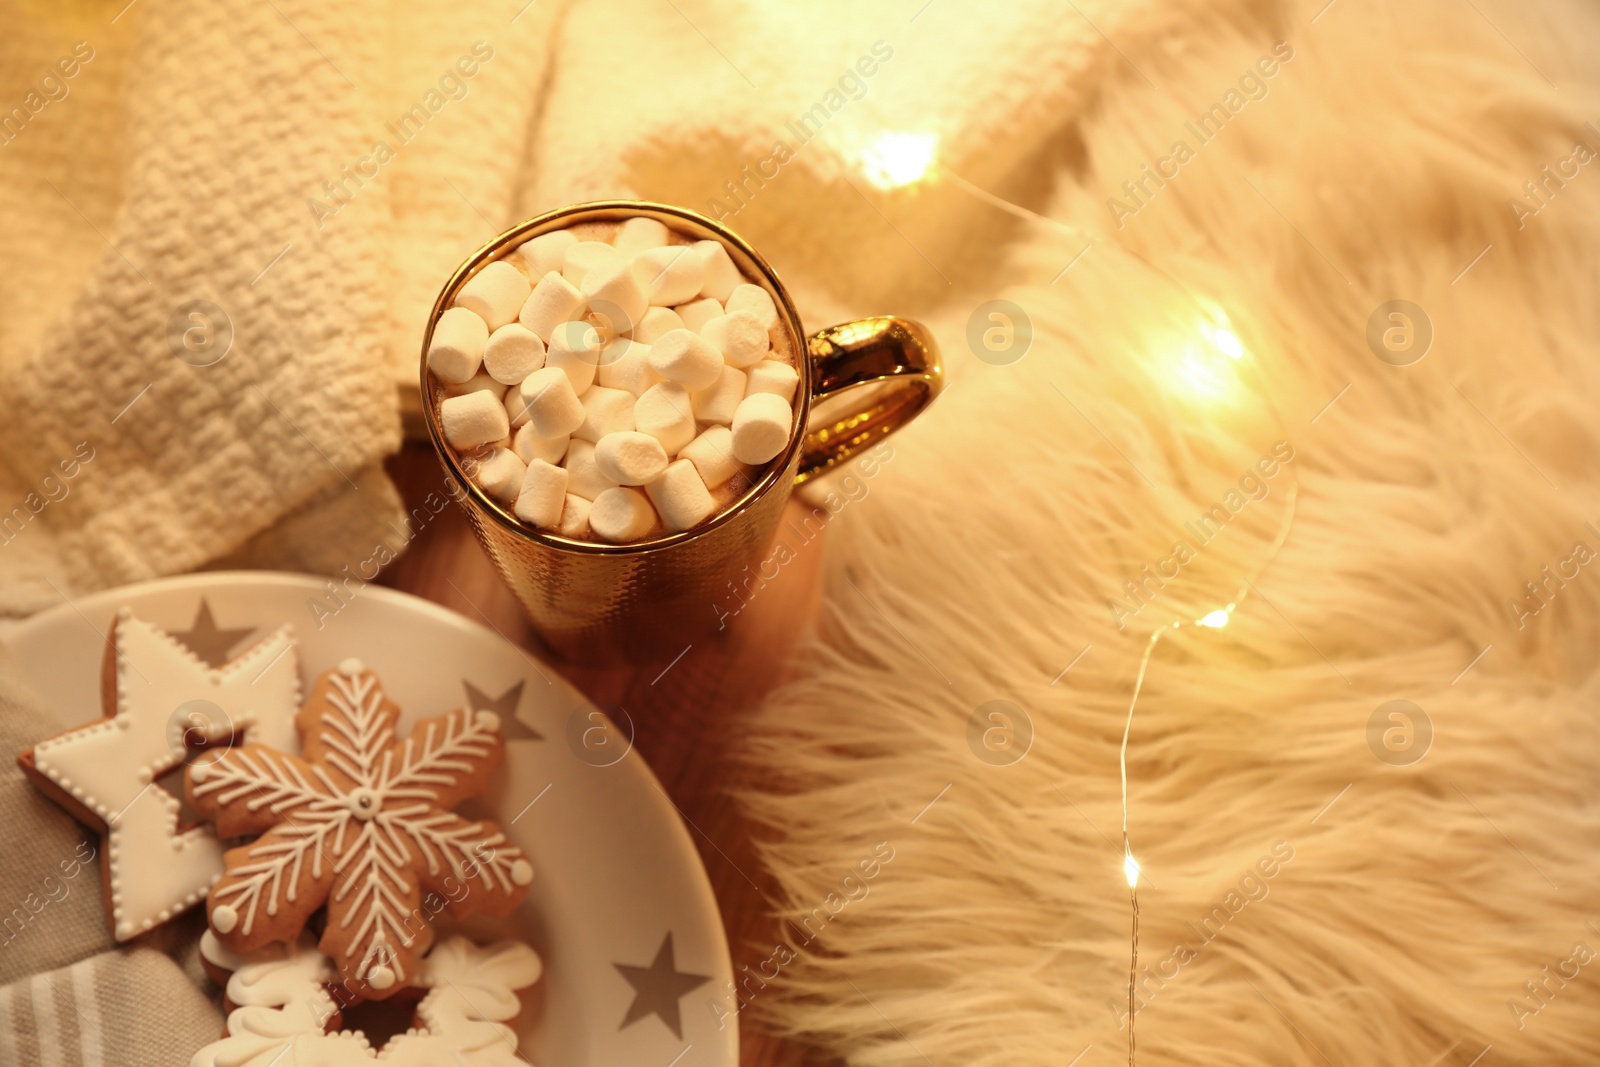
(1417, 905)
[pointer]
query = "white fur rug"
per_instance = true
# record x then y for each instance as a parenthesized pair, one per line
(1304, 901)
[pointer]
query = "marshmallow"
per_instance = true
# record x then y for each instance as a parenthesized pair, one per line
(712, 456)
(575, 350)
(625, 364)
(473, 419)
(687, 358)
(456, 348)
(513, 353)
(670, 275)
(656, 322)
(546, 252)
(639, 233)
(496, 293)
(478, 381)
(529, 446)
(630, 458)
(739, 336)
(773, 376)
(586, 256)
(621, 515)
(680, 497)
(501, 474)
(614, 356)
(666, 413)
(551, 303)
(721, 275)
(613, 294)
(516, 408)
(717, 401)
(554, 409)
(588, 481)
(697, 313)
(605, 411)
(575, 518)
(756, 300)
(544, 492)
(761, 426)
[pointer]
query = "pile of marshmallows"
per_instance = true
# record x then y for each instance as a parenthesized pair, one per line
(605, 369)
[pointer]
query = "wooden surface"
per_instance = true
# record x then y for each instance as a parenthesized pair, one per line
(684, 718)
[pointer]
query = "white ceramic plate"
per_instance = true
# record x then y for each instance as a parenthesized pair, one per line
(616, 873)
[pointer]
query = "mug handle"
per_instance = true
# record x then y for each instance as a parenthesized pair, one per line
(897, 352)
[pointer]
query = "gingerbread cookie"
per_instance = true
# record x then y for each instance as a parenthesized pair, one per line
(160, 701)
(280, 1011)
(361, 822)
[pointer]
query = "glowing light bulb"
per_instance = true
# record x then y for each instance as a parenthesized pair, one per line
(1130, 867)
(1203, 362)
(898, 158)
(1200, 375)
(1216, 619)
(1223, 340)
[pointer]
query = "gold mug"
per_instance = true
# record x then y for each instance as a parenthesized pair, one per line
(601, 603)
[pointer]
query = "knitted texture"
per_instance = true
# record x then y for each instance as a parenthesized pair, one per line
(225, 152)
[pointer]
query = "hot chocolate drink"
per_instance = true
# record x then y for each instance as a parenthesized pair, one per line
(614, 381)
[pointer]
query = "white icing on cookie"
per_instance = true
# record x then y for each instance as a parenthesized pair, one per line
(109, 765)
(224, 919)
(284, 1006)
(274, 976)
(522, 872)
(476, 981)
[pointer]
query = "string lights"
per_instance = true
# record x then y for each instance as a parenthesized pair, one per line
(895, 159)
(1203, 364)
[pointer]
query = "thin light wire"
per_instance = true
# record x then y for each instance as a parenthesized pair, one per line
(1008, 207)
(1127, 849)
(1028, 215)
(1133, 966)
(1284, 527)
(1282, 535)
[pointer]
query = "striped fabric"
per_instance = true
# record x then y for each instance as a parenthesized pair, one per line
(134, 1007)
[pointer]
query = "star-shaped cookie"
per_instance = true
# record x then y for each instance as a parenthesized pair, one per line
(160, 701)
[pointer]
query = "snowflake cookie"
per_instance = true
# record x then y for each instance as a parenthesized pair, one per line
(161, 701)
(361, 822)
(282, 1014)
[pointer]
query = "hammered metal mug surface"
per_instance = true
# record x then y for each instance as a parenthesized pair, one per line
(602, 603)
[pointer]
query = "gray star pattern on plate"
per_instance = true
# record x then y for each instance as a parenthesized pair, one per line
(505, 706)
(209, 642)
(658, 988)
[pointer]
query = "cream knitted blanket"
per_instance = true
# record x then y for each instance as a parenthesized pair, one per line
(213, 275)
